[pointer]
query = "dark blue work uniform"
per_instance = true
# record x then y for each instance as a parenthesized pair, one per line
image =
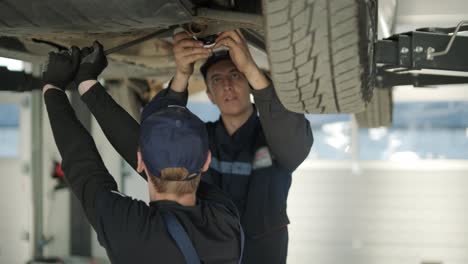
(253, 166)
(130, 230)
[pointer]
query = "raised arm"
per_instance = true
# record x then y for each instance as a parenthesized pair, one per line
(84, 170)
(82, 165)
(288, 134)
(118, 125)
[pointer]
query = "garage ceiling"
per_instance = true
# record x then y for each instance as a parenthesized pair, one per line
(414, 14)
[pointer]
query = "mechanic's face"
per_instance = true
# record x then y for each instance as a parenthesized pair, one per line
(228, 88)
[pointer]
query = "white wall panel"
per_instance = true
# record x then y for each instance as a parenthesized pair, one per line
(384, 214)
(15, 190)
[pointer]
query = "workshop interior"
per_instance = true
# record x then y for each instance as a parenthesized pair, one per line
(383, 84)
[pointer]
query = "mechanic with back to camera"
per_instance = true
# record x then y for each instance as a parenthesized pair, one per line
(255, 148)
(187, 221)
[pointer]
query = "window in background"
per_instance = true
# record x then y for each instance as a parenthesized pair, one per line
(332, 133)
(11, 64)
(421, 130)
(9, 131)
(332, 137)
(207, 112)
(9, 116)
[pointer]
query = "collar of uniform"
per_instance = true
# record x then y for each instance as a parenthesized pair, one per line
(170, 204)
(244, 134)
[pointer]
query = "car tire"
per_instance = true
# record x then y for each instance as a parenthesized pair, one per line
(379, 112)
(321, 53)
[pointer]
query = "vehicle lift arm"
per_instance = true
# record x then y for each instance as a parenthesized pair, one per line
(423, 49)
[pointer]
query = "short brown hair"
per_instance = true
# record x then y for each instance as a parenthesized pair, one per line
(170, 181)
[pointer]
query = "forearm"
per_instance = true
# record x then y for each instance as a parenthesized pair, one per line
(118, 125)
(180, 82)
(73, 141)
(178, 88)
(256, 78)
(288, 134)
(83, 167)
(85, 86)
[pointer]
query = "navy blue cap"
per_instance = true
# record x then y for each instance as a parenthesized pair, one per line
(171, 136)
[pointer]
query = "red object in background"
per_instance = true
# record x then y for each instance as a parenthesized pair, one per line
(59, 175)
(58, 172)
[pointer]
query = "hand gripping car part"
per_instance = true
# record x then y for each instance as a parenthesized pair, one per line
(208, 41)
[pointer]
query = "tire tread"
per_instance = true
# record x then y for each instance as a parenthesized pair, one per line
(326, 65)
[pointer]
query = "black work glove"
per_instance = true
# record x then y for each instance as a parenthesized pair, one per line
(61, 67)
(93, 62)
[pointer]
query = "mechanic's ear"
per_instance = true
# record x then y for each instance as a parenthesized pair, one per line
(206, 166)
(140, 163)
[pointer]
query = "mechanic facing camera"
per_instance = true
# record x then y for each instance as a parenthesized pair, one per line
(186, 221)
(254, 148)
